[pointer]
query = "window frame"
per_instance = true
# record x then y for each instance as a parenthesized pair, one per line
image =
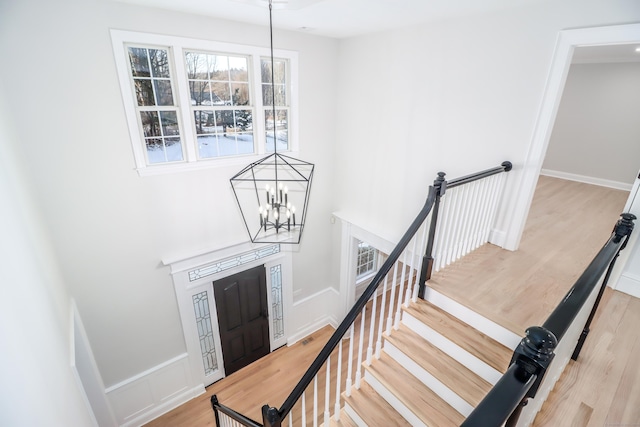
(375, 266)
(177, 47)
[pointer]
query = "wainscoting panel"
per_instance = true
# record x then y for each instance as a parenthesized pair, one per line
(150, 394)
(311, 314)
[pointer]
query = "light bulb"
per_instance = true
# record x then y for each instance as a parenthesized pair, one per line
(275, 214)
(293, 209)
(286, 189)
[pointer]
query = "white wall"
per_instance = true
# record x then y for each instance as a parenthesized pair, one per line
(109, 226)
(456, 96)
(38, 384)
(597, 130)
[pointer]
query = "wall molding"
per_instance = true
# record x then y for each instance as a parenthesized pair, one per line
(587, 179)
(629, 284)
(310, 314)
(149, 394)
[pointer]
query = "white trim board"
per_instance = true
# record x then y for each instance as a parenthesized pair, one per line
(310, 314)
(567, 41)
(629, 284)
(149, 394)
(587, 179)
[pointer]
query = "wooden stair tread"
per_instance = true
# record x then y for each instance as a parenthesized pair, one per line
(373, 408)
(422, 401)
(345, 421)
(457, 377)
(475, 342)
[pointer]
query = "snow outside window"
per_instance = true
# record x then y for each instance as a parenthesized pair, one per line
(193, 104)
(367, 262)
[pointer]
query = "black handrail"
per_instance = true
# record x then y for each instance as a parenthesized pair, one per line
(272, 416)
(561, 318)
(509, 390)
(534, 354)
(504, 167)
(218, 407)
(357, 308)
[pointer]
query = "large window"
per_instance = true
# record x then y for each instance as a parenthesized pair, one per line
(195, 103)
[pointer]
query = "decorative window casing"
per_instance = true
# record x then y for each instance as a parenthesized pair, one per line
(193, 104)
(205, 332)
(277, 302)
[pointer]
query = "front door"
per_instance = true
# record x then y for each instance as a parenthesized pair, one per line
(241, 301)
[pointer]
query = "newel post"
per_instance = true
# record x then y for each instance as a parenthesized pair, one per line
(271, 417)
(533, 356)
(623, 228)
(427, 260)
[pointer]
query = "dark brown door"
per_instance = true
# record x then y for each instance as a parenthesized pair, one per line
(241, 301)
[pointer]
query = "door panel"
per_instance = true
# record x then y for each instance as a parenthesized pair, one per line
(241, 301)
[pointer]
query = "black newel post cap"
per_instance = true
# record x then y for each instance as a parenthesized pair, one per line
(507, 165)
(624, 226)
(539, 343)
(270, 416)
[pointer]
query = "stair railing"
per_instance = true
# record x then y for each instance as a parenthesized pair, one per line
(399, 280)
(532, 375)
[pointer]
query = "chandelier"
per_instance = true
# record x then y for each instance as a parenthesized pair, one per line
(273, 193)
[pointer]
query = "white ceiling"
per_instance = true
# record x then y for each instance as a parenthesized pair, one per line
(334, 18)
(348, 18)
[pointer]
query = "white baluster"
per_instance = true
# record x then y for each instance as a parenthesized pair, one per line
(360, 348)
(349, 363)
(499, 180)
(396, 324)
(482, 207)
(315, 401)
(473, 220)
(381, 320)
(304, 410)
(290, 418)
(393, 295)
(327, 393)
(372, 326)
(466, 220)
(336, 410)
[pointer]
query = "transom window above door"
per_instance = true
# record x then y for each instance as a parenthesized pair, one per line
(193, 104)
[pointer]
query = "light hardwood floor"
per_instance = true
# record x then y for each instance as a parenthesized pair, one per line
(567, 225)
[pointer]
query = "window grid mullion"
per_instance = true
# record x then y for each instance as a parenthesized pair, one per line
(184, 98)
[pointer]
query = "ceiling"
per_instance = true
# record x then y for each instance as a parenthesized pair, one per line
(349, 18)
(334, 18)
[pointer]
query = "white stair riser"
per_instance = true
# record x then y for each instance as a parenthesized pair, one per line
(393, 400)
(354, 416)
(428, 380)
(452, 349)
(489, 328)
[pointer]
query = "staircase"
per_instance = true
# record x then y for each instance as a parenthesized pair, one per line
(433, 370)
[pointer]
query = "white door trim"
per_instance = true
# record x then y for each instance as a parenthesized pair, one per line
(567, 41)
(194, 275)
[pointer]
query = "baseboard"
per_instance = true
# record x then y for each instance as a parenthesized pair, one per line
(498, 237)
(310, 314)
(587, 179)
(629, 284)
(146, 396)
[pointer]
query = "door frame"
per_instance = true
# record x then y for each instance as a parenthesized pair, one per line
(567, 41)
(231, 260)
